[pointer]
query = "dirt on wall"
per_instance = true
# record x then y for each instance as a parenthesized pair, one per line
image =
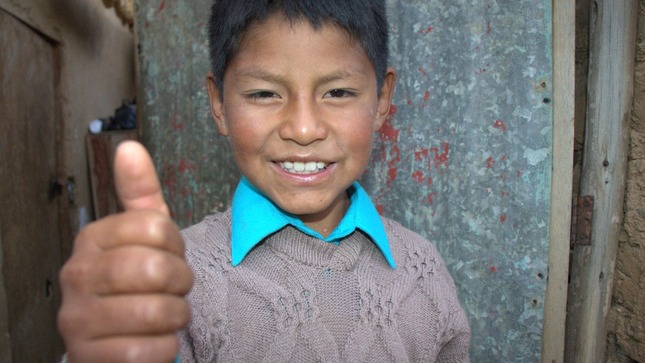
(626, 325)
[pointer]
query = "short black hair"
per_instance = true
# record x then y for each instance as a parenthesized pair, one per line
(364, 20)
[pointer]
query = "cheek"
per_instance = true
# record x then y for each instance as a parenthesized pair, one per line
(359, 140)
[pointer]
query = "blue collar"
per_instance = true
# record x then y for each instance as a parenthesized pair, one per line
(254, 217)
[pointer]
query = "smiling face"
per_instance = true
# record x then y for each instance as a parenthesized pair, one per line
(300, 106)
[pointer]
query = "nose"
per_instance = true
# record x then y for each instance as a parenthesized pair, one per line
(303, 122)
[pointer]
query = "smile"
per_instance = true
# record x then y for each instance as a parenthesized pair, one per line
(298, 167)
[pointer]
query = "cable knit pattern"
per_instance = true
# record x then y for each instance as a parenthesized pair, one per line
(295, 298)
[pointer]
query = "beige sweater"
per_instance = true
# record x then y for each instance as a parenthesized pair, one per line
(298, 299)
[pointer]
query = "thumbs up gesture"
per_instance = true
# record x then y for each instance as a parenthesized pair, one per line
(124, 286)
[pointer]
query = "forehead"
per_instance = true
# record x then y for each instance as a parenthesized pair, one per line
(278, 41)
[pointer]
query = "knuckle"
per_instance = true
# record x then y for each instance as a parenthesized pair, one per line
(66, 321)
(75, 274)
(152, 313)
(163, 348)
(156, 269)
(72, 320)
(157, 225)
(135, 353)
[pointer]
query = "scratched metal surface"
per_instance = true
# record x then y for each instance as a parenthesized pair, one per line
(465, 159)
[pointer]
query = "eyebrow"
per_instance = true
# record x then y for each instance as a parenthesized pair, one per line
(263, 75)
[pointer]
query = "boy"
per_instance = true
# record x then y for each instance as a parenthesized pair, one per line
(301, 268)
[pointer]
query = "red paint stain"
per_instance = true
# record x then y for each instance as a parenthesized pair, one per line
(174, 124)
(392, 110)
(391, 175)
(502, 218)
(430, 180)
(430, 197)
(491, 267)
(488, 29)
(392, 165)
(419, 155)
(422, 71)
(161, 6)
(409, 102)
(490, 162)
(388, 132)
(426, 96)
(418, 176)
(426, 30)
(380, 209)
(500, 124)
(441, 158)
(504, 157)
(185, 165)
(519, 174)
(169, 176)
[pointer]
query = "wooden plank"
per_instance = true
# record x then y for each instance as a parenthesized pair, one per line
(31, 242)
(555, 306)
(5, 338)
(609, 97)
(100, 154)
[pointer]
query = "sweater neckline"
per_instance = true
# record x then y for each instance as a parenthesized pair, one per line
(292, 244)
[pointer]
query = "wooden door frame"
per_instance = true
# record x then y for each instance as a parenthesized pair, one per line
(65, 230)
(612, 31)
(555, 306)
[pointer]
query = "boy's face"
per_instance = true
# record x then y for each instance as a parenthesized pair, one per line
(300, 107)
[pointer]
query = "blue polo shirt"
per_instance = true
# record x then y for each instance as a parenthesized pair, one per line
(254, 217)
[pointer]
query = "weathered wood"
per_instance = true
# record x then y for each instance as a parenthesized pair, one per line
(100, 154)
(610, 87)
(561, 182)
(29, 216)
(5, 338)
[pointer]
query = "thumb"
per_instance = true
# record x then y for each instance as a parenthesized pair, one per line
(137, 184)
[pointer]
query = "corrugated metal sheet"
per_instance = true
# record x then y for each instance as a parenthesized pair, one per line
(465, 159)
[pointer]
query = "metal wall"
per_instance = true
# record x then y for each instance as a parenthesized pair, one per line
(465, 159)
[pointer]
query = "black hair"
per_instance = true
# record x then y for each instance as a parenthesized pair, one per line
(364, 20)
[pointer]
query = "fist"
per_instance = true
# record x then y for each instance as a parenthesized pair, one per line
(124, 285)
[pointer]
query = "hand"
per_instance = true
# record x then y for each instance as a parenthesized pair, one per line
(124, 285)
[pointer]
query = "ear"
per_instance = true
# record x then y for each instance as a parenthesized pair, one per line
(217, 104)
(385, 97)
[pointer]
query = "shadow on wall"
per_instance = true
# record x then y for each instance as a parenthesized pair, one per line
(82, 20)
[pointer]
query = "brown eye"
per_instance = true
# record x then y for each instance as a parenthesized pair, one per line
(337, 93)
(262, 94)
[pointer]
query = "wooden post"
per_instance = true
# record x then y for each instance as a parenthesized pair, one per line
(5, 341)
(609, 96)
(555, 307)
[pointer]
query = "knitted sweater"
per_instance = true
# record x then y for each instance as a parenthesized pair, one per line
(295, 298)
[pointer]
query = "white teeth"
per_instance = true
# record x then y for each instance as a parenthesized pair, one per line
(298, 167)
